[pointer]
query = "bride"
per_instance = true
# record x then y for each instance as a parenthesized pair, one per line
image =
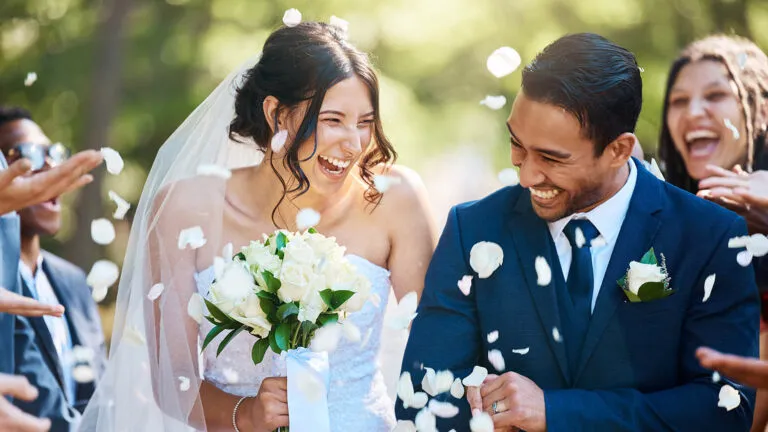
(309, 108)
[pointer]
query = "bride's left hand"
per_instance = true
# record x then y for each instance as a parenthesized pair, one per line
(739, 191)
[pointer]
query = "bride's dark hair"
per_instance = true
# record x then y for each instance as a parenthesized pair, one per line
(300, 64)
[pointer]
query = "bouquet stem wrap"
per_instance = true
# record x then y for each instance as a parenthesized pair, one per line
(308, 384)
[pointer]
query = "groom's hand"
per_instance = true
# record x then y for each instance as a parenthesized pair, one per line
(519, 402)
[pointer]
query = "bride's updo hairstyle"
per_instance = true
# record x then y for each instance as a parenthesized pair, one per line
(300, 64)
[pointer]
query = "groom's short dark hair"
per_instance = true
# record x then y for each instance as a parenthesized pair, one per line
(592, 78)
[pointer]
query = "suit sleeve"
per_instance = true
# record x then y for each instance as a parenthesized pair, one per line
(445, 334)
(728, 322)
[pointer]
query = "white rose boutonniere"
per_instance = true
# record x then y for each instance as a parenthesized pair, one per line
(646, 280)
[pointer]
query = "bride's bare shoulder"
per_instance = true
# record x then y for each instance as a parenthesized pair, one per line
(404, 188)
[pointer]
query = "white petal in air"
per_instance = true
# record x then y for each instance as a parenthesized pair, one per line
(493, 336)
(443, 409)
(192, 237)
(465, 285)
(485, 258)
(476, 378)
(435, 383)
(307, 218)
(406, 393)
(579, 237)
(509, 177)
(292, 17)
(543, 272)
(30, 79)
(103, 274)
(404, 426)
(122, 205)
(426, 421)
(655, 170)
(340, 24)
(494, 102)
(758, 245)
(382, 183)
(155, 291)
(729, 398)
(503, 62)
(83, 374)
(113, 160)
(522, 351)
(708, 284)
(405, 312)
(81, 354)
(102, 231)
(231, 376)
(598, 241)
(457, 389)
(326, 338)
(481, 422)
(99, 294)
(183, 383)
(715, 377)
(744, 258)
(556, 335)
(278, 141)
(196, 307)
(734, 130)
(738, 242)
(496, 359)
(214, 171)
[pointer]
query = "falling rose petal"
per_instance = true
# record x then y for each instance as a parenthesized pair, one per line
(81, 354)
(744, 258)
(83, 374)
(310, 385)
(292, 17)
(729, 398)
(481, 422)
(30, 79)
(214, 171)
(496, 359)
(757, 245)
(340, 24)
(113, 160)
(278, 141)
(503, 62)
(556, 335)
(579, 237)
(494, 102)
(476, 378)
(231, 375)
(405, 312)
(715, 377)
(102, 231)
(183, 383)
(598, 241)
(443, 409)
(435, 383)
(509, 177)
(103, 274)
(734, 130)
(307, 218)
(426, 421)
(351, 332)
(457, 389)
(406, 393)
(738, 242)
(465, 284)
(134, 336)
(493, 336)
(99, 294)
(543, 272)
(485, 258)
(155, 291)
(382, 183)
(655, 170)
(122, 205)
(192, 237)
(404, 426)
(640, 69)
(522, 351)
(196, 307)
(708, 284)
(326, 338)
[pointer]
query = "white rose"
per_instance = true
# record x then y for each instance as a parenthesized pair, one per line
(260, 256)
(640, 273)
(362, 289)
(249, 312)
(340, 275)
(299, 251)
(233, 287)
(485, 258)
(312, 305)
(295, 279)
(325, 247)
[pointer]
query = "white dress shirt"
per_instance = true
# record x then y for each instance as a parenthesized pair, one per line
(608, 218)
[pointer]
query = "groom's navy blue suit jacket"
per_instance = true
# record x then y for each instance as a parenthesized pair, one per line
(637, 369)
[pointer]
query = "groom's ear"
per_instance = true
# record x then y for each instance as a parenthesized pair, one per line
(273, 113)
(620, 150)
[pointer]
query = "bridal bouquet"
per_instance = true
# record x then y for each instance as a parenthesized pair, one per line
(281, 291)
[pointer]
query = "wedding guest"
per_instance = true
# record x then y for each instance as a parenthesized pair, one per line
(713, 140)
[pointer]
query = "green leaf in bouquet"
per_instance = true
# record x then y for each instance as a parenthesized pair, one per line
(228, 339)
(287, 310)
(653, 291)
(269, 308)
(335, 299)
(240, 256)
(283, 336)
(273, 283)
(280, 242)
(307, 329)
(327, 296)
(273, 341)
(212, 335)
(327, 318)
(312, 230)
(649, 257)
(259, 349)
(211, 320)
(217, 313)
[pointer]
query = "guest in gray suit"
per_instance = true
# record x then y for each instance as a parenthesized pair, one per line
(51, 279)
(20, 353)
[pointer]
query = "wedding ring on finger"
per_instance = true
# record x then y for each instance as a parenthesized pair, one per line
(498, 407)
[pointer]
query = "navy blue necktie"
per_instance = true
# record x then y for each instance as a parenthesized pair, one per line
(580, 233)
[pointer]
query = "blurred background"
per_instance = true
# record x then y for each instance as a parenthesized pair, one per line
(125, 74)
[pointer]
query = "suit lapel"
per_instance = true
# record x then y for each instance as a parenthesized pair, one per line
(635, 238)
(44, 336)
(532, 239)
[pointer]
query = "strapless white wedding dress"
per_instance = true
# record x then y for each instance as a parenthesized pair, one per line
(357, 400)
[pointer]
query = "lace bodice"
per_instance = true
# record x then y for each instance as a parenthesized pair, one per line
(358, 397)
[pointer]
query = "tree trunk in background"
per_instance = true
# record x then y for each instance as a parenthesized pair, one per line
(102, 106)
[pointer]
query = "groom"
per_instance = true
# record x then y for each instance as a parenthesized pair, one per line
(578, 354)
